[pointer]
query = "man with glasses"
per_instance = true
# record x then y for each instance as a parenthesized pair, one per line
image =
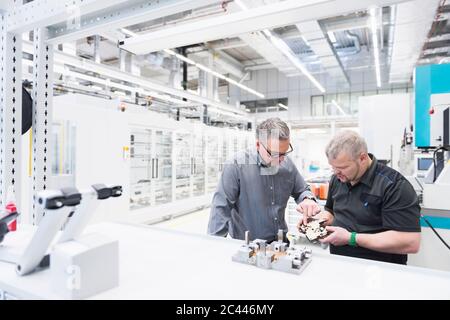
(256, 185)
(372, 211)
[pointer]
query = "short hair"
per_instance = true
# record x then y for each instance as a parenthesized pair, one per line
(273, 128)
(346, 141)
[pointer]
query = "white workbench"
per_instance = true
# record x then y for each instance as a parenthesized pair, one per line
(162, 264)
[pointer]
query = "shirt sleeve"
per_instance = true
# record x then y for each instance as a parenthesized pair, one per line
(329, 203)
(400, 208)
(301, 189)
(224, 200)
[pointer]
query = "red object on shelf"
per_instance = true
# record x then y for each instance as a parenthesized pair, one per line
(11, 208)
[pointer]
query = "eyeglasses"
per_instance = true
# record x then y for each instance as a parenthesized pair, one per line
(276, 154)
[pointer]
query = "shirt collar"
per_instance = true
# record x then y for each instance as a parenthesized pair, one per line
(369, 175)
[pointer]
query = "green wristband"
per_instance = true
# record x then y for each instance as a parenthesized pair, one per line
(352, 240)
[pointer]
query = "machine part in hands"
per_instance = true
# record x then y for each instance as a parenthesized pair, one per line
(314, 230)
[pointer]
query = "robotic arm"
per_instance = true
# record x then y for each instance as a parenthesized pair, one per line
(80, 218)
(57, 205)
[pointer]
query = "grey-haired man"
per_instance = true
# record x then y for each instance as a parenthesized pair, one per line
(372, 211)
(256, 185)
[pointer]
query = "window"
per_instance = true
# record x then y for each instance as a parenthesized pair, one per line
(321, 105)
(317, 106)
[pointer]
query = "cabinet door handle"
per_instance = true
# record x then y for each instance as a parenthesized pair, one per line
(153, 168)
(157, 168)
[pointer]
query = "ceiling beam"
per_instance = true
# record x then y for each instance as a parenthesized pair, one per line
(348, 24)
(43, 13)
(234, 24)
(135, 12)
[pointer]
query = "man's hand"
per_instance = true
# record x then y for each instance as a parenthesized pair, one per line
(338, 237)
(325, 215)
(308, 208)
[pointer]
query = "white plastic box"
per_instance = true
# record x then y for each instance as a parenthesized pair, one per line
(84, 267)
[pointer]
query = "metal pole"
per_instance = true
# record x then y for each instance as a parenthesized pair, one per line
(10, 112)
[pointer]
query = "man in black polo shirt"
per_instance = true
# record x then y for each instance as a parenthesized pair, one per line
(372, 211)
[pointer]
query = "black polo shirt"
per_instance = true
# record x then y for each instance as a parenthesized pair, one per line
(382, 200)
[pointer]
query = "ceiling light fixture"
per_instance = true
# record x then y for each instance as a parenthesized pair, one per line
(214, 73)
(334, 103)
(283, 106)
(332, 36)
(376, 51)
(284, 48)
(128, 32)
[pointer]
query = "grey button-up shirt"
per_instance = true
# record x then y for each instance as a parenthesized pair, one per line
(251, 196)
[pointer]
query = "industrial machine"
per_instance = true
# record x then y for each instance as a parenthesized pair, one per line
(428, 167)
(278, 255)
(436, 186)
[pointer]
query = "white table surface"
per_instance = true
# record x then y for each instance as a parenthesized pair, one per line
(162, 264)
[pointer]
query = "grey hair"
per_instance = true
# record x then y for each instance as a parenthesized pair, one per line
(274, 128)
(346, 141)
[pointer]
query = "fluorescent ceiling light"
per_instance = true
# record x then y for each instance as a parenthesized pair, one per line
(283, 106)
(315, 131)
(376, 51)
(120, 93)
(284, 48)
(179, 56)
(111, 84)
(332, 36)
(304, 40)
(97, 88)
(128, 32)
(338, 107)
(214, 73)
(241, 4)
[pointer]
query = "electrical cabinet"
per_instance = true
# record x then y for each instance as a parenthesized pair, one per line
(162, 166)
(212, 161)
(169, 165)
(141, 170)
(198, 165)
(182, 164)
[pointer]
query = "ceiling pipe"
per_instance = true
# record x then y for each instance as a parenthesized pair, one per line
(356, 42)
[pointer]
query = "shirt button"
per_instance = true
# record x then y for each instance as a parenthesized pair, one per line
(276, 219)
(273, 202)
(271, 188)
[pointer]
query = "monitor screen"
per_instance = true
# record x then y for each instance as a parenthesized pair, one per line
(424, 163)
